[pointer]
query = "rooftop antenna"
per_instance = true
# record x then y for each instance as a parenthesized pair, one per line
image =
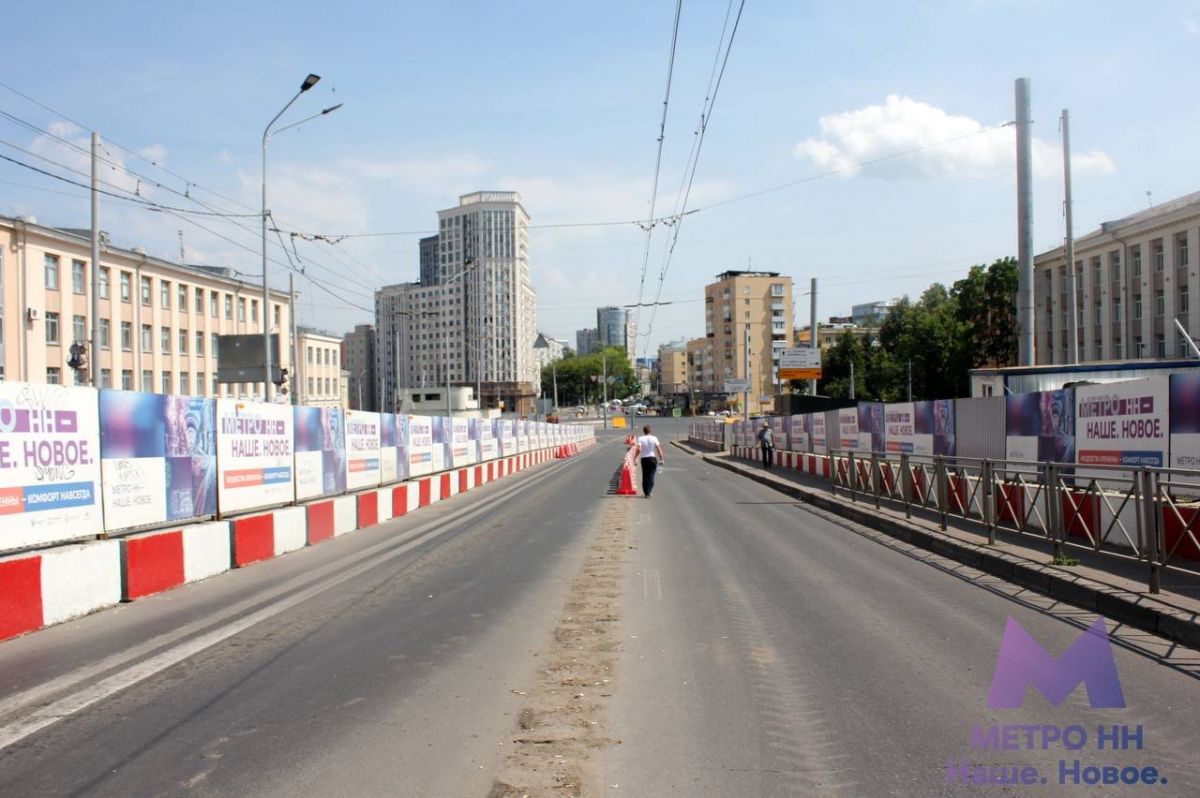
(182, 256)
(1149, 200)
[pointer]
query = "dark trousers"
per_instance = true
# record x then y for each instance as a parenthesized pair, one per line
(649, 468)
(768, 456)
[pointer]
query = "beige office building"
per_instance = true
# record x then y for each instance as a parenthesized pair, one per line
(754, 309)
(159, 321)
(1133, 278)
(320, 369)
(700, 367)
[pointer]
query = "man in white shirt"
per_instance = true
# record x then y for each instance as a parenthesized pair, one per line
(651, 452)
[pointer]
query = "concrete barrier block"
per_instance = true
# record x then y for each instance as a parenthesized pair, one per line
(206, 550)
(291, 529)
(77, 580)
(253, 538)
(20, 595)
(151, 563)
(345, 515)
(383, 505)
(320, 521)
(368, 509)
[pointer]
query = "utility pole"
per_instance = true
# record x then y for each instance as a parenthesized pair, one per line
(812, 331)
(93, 362)
(910, 379)
(295, 348)
(851, 379)
(604, 383)
(1069, 249)
(746, 408)
(1026, 339)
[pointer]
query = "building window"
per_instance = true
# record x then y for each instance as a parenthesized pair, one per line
(213, 303)
(105, 378)
(183, 339)
(199, 343)
(199, 301)
(1156, 252)
(126, 379)
(216, 385)
(50, 263)
(164, 294)
(147, 338)
(51, 328)
(1114, 264)
(1135, 255)
(146, 291)
(1160, 345)
(104, 334)
(200, 384)
(164, 340)
(310, 386)
(1137, 306)
(1116, 308)
(54, 376)
(104, 276)
(253, 310)
(166, 382)
(183, 299)
(1183, 305)
(241, 309)
(1181, 250)
(228, 308)
(1096, 272)
(126, 286)
(127, 335)
(147, 381)
(185, 383)
(213, 348)
(78, 276)
(78, 328)
(326, 357)
(1160, 303)
(278, 316)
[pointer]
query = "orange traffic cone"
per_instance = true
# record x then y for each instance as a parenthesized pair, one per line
(627, 488)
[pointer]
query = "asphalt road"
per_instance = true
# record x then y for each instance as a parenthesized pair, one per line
(762, 650)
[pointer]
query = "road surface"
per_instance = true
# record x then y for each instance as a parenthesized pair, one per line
(540, 635)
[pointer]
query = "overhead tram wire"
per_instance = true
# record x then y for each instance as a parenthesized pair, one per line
(705, 118)
(662, 135)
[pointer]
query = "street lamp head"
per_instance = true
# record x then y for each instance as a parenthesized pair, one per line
(331, 109)
(309, 82)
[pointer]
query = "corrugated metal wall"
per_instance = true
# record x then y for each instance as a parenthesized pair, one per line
(979, 427)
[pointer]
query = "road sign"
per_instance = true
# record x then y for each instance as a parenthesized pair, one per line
(676, 412)
(800, 364)
(736, 386)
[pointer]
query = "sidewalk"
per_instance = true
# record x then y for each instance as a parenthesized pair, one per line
(1111, 586)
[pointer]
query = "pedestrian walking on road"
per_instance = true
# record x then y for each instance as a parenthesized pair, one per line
(651, 452)
(766, 440)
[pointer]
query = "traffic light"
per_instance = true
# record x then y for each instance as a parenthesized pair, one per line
(78, 358)
(283, 381)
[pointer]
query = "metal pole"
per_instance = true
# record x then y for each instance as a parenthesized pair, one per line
(1191, 343)
(295, 347)
(812, 331)
(1025, 317)
(604, 381)
(554, 377)
(479, 339)
(362, 377)
(265, 279)
(851, 379)
(1069, 250)
(746, 409)
(396, 365)
(910, 379)
(446, 341)
(94, 349)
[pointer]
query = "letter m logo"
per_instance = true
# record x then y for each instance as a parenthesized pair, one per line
(1023, 661)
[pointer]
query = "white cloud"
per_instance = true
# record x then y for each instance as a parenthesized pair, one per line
(155, 153)
(939, 144)
(1192, 27)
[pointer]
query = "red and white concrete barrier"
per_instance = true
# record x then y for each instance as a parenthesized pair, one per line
(156, 561)
(58, 584)
(270, 534)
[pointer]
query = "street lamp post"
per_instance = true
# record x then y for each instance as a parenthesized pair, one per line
(468, 265)
(308, 83)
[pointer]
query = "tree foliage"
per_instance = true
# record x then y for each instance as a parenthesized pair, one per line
(575, 377)
(941, 336)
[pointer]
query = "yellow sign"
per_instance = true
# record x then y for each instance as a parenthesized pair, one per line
(799, 374)
(618, 422)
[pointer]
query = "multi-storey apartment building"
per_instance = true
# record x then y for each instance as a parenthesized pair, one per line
(673, 370)
(1133, 278)
(587, 341)
(319, 370)
(471, 319)
(358, 354)
(702, 375)
(749, 310)
(158, 321)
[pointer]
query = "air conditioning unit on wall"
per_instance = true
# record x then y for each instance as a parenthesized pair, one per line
(31, 314)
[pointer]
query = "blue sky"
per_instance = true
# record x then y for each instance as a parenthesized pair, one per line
(562, 101)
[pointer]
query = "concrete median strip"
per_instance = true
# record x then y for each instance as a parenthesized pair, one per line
(1138, 610)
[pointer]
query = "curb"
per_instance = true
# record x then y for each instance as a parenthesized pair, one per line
(1136, 610)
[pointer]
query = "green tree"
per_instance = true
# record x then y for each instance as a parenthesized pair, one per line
(987, 309)
(575, 377)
